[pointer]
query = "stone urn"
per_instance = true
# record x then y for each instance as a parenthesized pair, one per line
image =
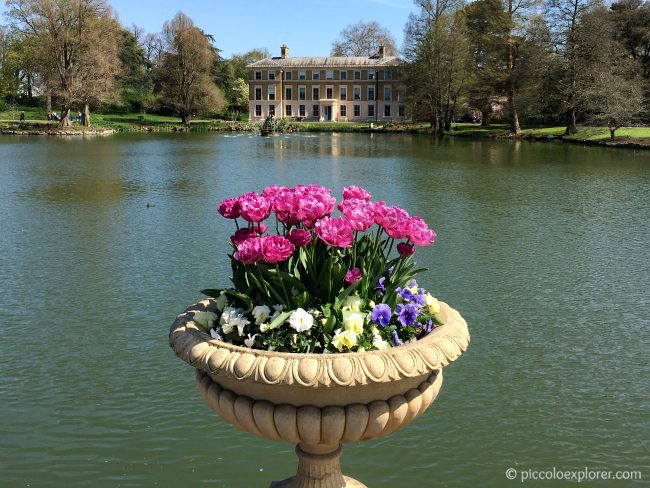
(318, 401)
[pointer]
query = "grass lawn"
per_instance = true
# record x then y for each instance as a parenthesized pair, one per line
(126, 121)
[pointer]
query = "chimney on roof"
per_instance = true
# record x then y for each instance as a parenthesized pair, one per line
(382, 51)
(284, 51)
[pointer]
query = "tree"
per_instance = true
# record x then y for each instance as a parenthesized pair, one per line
(184, 71)
(487, 31)
(565, 15)
(438, 62)
(134, 79)
(364, 39)
(75, 47)
(608, 80)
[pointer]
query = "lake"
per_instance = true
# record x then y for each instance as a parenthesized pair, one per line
(544, 249)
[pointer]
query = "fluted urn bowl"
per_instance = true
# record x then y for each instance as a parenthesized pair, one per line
(318, 401)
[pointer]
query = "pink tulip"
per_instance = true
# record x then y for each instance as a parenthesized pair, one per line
(335, 232)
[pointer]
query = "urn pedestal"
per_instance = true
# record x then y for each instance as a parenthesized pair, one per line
(318, 401)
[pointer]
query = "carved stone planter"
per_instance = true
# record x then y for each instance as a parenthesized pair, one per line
(318, 401)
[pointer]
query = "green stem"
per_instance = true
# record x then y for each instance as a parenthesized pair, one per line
(284, 290)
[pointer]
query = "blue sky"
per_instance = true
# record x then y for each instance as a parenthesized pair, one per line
(308, 27)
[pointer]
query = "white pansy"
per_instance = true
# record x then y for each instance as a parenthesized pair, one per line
(228, 312)
(241, 322)
(264, 327)
(261, 313)
(231, 318)
(215, 335)
(379, 343)
(277, 311)
(352, 303)
(250, 341)
(354, 322)
(204, 319)
(300, 320)
(222, 301)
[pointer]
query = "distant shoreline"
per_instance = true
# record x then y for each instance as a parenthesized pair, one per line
(466, 131)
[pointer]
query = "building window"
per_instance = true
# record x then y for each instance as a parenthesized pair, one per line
(272, 110)
(315, 93)
(287, 93)
(386, 110)
(329, 74)
(400, 95)
(371, 93)
(329, 92)
(357, 75)
(371, 110)
(271, 93)
(301, 110)
(343, 75)
(357, 93)
(258, 93)
(302, 75)
(371, 74)
(400, 110)
(271, 75)
(315, 75)
(258, 75)
(287, 110)
(315, 111)
(258, 110)
(387, 93)
(357, 110)
(343, 93)
(287, 75)
(344, 111)
(388, 75)
(302, 93)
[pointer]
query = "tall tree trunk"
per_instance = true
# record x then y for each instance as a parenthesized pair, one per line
(48, 101)
(485, 118)
(612, 132)
(185, 119)
(515, 129)
(571, 127)
(30, 87)
(65, 117)
(86, 115)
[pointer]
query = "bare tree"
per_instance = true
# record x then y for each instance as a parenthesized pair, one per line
(154, 49)
(185, 69)
(609, 84)
(72, 37)
(566, 15)
(364, 39)
(437, 52)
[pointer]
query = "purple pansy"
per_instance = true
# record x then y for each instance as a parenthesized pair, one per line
(405, 293)
(407, 314)
(381, 288)
(381, 314)
(395, 338)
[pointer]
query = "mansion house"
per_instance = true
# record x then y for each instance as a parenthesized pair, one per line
(333, 88)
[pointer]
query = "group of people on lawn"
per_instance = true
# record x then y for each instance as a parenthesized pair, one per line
(54, 116)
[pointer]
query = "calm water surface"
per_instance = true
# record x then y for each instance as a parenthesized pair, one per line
(542, 247)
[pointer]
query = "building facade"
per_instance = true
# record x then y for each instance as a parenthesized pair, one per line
(337, 89)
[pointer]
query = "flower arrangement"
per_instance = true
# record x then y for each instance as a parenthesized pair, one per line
(321, 283)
